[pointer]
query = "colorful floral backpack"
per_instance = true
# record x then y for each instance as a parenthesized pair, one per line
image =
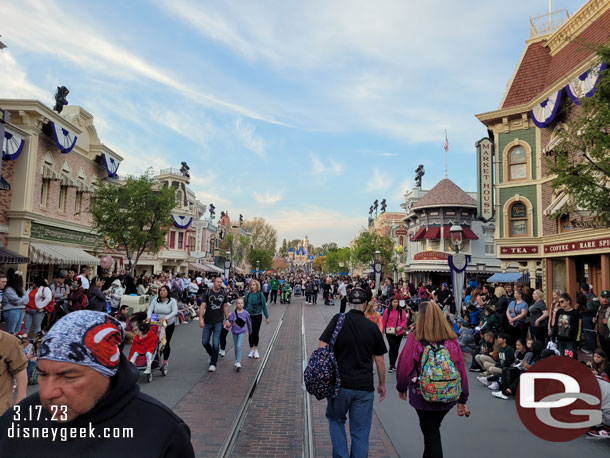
(321, 375)
(439, 379)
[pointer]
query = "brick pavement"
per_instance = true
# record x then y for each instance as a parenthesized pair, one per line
(274, 422)
(210, 407)
(380, 444)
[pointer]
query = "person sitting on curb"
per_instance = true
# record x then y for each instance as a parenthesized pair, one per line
(506, 356)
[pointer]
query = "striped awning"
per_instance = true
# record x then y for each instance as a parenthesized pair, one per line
(419, 235)
(10, 257)
(214, 268)
(45, 253)
(433, 233)
(197, 267)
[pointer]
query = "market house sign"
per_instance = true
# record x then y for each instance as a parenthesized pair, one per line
(485, 148)
(519, 250)
(577, 246)
(56, 234)
(431, 256)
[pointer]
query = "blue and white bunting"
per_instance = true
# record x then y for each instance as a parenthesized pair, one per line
(64, 139)
(12, 146)
(182, 222)
(585, 85)
(543, 113)
(112, 166)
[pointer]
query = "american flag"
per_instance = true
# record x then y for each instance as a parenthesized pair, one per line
(446, 142)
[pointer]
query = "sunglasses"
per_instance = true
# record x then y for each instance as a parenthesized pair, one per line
(562, 300)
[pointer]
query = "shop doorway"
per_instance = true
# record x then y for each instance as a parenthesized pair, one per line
(588, 270)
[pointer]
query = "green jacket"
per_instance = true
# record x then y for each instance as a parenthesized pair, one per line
(274, 284)
(255, 304)
(506, 357)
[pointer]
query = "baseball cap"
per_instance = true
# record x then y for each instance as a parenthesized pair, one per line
(605, 293)
(357, 296)
(444, 284)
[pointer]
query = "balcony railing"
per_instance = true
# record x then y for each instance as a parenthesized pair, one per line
(548, 23)
(171, 171)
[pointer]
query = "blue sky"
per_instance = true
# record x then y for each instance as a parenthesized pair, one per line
(303, 113)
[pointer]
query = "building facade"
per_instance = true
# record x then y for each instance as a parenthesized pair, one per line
(429, 216)
(534, 231)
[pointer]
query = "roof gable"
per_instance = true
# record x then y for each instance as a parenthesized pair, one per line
(445, 194)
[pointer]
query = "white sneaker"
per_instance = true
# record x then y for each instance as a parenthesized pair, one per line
(251, 354)
(499, 394)
(147, 370)
(256, 355)
(494, 386)
(483, 380)
(212, 368)
(237, 366)
(221, 353)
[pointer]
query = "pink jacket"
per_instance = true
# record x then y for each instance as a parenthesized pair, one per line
(394, 319)
(408, 366)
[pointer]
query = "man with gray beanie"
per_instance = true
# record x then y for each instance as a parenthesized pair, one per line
(358, 342)
(89, 403)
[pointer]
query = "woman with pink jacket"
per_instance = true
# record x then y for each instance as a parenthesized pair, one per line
(394, 323)
(431, 327)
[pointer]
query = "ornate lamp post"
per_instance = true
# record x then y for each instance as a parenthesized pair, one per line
(228, 266)
(457, 263)
(257, 264)
(377, 269)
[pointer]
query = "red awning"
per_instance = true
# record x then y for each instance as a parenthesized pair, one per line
(419, 235)
(433, 233)
(467, 233)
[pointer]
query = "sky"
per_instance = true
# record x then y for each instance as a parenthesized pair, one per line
(302, 113)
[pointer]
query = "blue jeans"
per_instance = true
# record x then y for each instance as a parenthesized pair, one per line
(213, 331)
(33, 318)
(359, 405)
(588, 329)
(13, 318)
(237, 341)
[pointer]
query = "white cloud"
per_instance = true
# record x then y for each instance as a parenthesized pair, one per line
(378, 182)
(246, 134)
(318, 167)
(388, 154)
(402, 189)
(14, 81)
(319, 224)
(268, 198)
(213, 198)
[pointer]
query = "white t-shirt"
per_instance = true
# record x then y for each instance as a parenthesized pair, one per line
(85, 281)
(342, 290)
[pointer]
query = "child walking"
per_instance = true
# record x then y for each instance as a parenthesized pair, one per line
(144, 343)
(239, 321)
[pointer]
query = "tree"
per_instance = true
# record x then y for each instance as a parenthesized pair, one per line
(318, 264)
(284, 249)
(337, 260)
(263, 257)
(279, 264)
(238, 246)
(581, 161)
(136, 216)
(367, 243)
(326, 247)
(264, 235)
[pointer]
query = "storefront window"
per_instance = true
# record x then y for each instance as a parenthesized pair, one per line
(517, 163)
(180, 240)
(172, 240)
(518, 219)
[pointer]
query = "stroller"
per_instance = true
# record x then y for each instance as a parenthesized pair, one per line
(285, 294)
(157, 358)
(297, 290)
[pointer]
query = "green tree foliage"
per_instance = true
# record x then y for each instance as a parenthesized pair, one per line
(238, 246)
(337, 260)
(284, 249)
(136, 216)
(367, 243)
(326, 247)
(581, 161)
(264, 235)
(318, 263)
(263, 257)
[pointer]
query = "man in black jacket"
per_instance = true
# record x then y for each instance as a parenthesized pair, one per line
(89, 404)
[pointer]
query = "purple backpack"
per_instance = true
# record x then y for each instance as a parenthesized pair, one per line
(321, 375)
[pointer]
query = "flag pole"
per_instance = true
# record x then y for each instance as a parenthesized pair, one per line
(446, 148)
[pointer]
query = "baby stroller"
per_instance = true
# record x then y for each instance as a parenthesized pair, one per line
(157, 354)
(297, 290)
(285, 294)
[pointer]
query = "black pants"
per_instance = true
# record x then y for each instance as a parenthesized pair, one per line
(274, 296)
(256, 327)
(169, 332)
(266, 296)
(223, 338)
(343, 305)
(394, 344)
(430, 424)
(538, 333)
(314, 297)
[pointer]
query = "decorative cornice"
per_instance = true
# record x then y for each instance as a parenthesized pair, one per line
(35, 109)
(576, 24)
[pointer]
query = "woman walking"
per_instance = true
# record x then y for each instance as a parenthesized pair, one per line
(256, 306)
(14, 300)
(394, 323)
(431, 328)
(165, 308)
(35, 312)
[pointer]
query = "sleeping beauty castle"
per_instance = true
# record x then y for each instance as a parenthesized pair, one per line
(300, 258)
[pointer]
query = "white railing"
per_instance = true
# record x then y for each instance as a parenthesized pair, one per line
(548, 23)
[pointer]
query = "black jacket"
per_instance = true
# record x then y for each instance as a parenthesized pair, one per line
(157, 431)
(97, 300)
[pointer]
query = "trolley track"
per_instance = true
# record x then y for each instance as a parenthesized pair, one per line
(233, 436)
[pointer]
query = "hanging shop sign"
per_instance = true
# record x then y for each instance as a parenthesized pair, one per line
(577, 246)
(431, 256)
(485, 199)
(57, 234)
(513, 250)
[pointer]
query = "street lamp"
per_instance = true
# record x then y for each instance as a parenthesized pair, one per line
(377, 268)
(228, 266)
(257, 264)
(456, 232)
